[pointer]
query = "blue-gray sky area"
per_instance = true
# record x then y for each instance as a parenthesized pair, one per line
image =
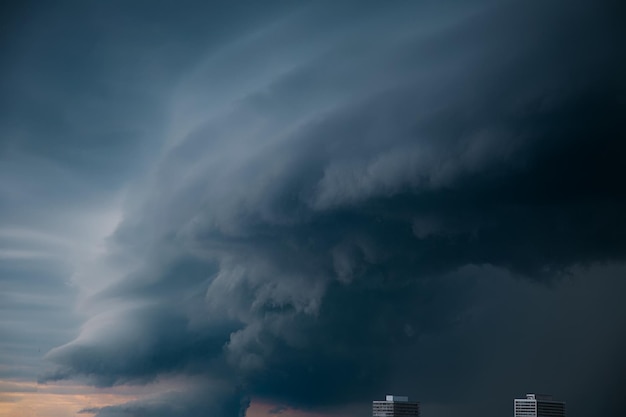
(298, 207)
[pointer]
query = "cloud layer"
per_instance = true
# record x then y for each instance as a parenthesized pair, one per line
(336, 198)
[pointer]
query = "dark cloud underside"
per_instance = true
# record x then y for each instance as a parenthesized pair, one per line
(340, 202)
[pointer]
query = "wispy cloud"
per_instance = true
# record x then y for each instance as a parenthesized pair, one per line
(303, 207)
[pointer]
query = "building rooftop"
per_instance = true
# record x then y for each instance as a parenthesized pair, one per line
(539, 397)
(396, 398)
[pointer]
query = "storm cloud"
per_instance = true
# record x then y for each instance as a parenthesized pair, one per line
(323, 203)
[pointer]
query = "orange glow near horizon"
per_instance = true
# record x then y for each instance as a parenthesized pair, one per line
(29, 399)
(260, 408)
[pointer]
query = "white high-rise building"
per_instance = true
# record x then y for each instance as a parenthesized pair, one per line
(395, 406)
(538, 405)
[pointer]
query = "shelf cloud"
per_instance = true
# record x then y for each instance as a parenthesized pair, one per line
(321, 203)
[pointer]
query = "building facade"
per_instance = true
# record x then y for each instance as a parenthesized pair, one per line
(537, 405)
(395, 406)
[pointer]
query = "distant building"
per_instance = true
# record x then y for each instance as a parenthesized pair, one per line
(538, 405)
(395, 406)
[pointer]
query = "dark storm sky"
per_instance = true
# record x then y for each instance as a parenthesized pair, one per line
(313, 204)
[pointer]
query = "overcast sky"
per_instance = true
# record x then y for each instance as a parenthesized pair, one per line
(294, 208)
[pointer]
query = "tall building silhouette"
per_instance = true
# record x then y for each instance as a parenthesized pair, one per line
(538, 405)
(395, 406)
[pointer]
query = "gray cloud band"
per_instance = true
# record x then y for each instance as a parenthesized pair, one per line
(322, 222)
